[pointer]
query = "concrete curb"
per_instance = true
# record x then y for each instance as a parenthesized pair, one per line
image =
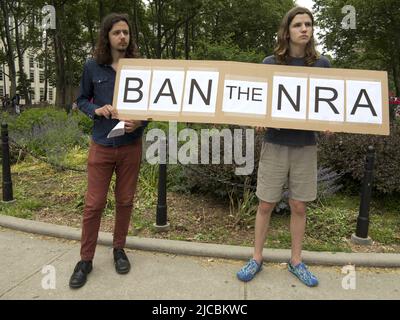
(387, 260)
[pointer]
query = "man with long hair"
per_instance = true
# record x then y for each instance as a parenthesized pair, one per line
(288, 156)
(121, 154)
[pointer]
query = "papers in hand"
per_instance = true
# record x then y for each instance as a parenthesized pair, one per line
(118, 130)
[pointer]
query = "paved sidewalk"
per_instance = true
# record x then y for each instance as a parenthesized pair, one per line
(156, 275)
(206, 249)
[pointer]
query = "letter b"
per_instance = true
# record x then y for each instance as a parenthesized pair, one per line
(137, 89)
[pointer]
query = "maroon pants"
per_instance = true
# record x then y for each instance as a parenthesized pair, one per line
(102, 162)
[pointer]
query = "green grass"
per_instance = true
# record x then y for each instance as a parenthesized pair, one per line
(315, 245)
(139, 223)
(20, 208)
(76, 157)
(384, 216)
(24, 204)
(331, 224)
(279, 239)
(385, 228)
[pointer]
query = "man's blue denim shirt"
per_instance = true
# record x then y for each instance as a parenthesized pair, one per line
(97, 83)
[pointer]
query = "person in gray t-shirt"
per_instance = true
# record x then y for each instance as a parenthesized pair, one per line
(288, 156)
(291, 137)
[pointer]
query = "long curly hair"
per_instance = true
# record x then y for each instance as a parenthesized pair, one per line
(281, 50)
(102, 52)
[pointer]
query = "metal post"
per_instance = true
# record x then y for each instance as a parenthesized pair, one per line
(161, 217)
(361, 235)
(7, 183)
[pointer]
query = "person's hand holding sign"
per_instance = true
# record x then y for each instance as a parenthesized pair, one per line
(107, 111)
(328, 133)
(262, 129)
(132, 125)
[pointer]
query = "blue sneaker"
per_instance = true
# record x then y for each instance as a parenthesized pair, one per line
(249, 271)
(301, 271)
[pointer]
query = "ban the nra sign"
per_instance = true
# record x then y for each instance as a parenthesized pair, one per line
(340, 100)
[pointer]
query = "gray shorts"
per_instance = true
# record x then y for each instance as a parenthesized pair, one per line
(281, 165)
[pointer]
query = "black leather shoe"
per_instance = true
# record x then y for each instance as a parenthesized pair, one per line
(78, 278)
(121, 261)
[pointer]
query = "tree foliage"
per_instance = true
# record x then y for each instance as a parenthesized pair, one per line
(375, 42)
(164, 29)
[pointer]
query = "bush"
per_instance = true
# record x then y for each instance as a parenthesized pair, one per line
(84, 122)
(47, 132)
(346, 152)
(36, 117)
(221, 181)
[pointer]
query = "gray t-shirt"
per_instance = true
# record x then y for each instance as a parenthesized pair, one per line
(293, 137)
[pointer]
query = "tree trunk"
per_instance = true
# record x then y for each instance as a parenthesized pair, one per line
(59, 56)
(90, 27)
(9, 49)
(187, 49)
(69, 96)
(393, 26)
(193, 34)
(46, 67)
(158, 4)
(173, 50)
(101, 9)
(22, 75)
(135, 24)
(396, 77)
(214, 33)
(149, 53)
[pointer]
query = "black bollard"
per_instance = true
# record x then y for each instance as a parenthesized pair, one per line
(7, 183)
(363, 216)
(161, 216)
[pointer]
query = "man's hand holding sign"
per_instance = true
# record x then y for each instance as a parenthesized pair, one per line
(109, 112)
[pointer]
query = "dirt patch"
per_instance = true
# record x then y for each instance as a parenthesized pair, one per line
(374, 247)
(191, 217)
(194, 218)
